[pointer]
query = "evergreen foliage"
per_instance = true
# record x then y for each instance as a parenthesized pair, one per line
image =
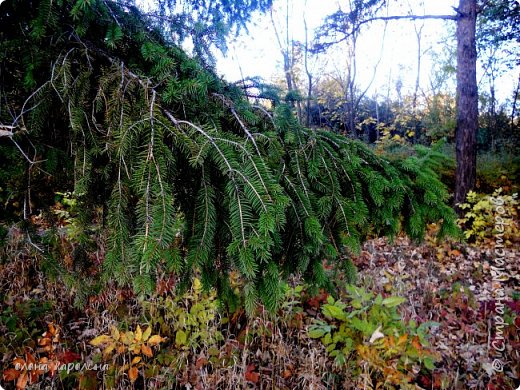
(191, 175)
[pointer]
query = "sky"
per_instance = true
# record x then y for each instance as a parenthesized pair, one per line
(257, 53)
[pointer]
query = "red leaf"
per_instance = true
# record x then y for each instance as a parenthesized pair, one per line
(68, 357)
(11, 374)
(201, 362)
(250, 375)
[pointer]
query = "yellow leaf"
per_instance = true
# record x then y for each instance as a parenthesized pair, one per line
(132, 374)
(103, 339)
(108, 350)
(136, 360)
(147, 333)
(155, 340)
(115, 333)
(127, 338)
(196, 284)
(138, 334)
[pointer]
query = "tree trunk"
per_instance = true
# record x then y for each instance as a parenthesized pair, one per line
(513, 109)
(467, 101)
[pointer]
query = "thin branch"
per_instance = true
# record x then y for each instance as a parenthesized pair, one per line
(6, 131)
(356, 28)
(230, 105)
(407, 17)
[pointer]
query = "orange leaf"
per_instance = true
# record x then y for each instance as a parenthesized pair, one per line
(47, 348)
(11, 374)
(416, 344)
(286, 374)
(30, 358)
(155, 340)
(146, 350)
(52, 328)
(53, 367)
(45, 341)
(22, 381)
(33, 376)
(132, 374)
(19, 363)
(402, 339)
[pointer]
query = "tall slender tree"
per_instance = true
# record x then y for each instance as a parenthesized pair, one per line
(467, 100)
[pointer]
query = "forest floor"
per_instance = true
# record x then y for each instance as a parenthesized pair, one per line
(452, 284)
(449, 283)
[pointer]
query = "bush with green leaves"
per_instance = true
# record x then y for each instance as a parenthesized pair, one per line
(480, 214)
(190, 174)
(368, 336)
(190, 320)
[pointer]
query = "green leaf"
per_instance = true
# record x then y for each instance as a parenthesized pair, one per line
(316, 333)
(181, 338)
(363, 326)
(393, 301)
(332, 311)
(429, 364)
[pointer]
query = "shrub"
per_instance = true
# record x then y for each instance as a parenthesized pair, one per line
(478, 221)
(368, 336)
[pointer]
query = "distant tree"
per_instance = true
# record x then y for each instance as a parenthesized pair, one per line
(290, 51)
(349, 28)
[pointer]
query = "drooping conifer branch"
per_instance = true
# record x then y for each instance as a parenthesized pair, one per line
(193, 177)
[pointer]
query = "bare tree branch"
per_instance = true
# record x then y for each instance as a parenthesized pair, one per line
(358, 25)
(408, 17)
(6, 131)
